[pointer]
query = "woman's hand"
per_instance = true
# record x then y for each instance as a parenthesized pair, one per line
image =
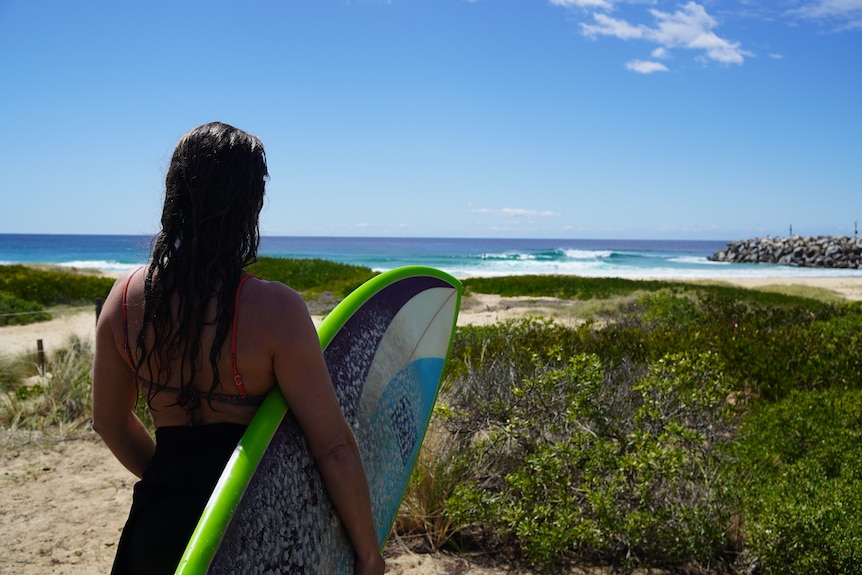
(372, 566)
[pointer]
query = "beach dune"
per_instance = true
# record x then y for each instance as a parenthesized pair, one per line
(64, 500)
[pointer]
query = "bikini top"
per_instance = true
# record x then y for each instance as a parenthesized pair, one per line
(190, 399)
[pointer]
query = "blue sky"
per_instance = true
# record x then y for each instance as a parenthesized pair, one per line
(706, 119)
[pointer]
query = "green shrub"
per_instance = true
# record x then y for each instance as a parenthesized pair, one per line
(564, 287)
(488, 363)
(579, 461)
(52, 287)
(830, 349)
(800, 481)
(660, 489)
(16, 311)
(585, 288)
(770, 343)
(312, 276)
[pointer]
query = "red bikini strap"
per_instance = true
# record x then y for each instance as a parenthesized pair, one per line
(126, 346)
(237, 378)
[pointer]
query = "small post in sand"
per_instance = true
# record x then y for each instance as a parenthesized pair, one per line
(40, 355)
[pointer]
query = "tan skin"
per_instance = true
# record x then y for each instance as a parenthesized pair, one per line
(277, 344)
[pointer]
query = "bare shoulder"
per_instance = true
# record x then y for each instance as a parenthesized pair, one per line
(112, 308)
(121, 281)
(274, 291)
(275, 302)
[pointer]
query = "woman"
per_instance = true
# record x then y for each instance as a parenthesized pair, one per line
(205, 342)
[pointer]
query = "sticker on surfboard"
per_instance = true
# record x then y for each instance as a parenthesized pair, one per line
(385, 346)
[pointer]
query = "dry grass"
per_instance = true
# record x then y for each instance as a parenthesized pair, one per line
(440, 468)
(56, 398)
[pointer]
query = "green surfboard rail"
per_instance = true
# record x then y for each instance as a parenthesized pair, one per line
(230, 488)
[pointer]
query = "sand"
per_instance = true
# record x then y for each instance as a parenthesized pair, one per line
(63, 500)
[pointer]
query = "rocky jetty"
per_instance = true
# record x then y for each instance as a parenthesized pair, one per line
(821, 252)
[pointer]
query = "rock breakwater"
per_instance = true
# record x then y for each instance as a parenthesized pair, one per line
(822, 251)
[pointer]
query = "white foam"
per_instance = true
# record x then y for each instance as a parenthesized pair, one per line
(104, 265)
(587, 254)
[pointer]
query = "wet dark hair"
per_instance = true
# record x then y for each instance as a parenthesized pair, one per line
(214, 191)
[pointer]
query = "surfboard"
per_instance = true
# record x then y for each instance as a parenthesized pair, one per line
(385, 345)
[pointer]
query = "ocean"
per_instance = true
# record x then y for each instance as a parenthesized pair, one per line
(461, 257)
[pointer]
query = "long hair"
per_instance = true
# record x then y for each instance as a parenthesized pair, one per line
(214, 192)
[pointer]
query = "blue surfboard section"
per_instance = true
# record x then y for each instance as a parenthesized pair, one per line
(397, 432)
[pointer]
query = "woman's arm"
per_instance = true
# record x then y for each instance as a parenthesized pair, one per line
(115, 392)
(304, 380)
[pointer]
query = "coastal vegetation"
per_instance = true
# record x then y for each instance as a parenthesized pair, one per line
(312, 277)
(689, 427)
(696, 427)
(25, 291)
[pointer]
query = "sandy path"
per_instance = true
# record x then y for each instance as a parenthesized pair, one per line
(17, 339)
(847, 287)
(63, 502)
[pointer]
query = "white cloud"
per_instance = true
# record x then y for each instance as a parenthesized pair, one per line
(604, 4)
(646, 67)
(842, 14)
(515, 212)
(692, 28)
(607, 26)
(689, 27)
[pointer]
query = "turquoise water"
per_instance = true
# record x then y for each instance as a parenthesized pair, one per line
(461, 257)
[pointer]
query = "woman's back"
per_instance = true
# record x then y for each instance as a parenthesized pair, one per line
(245, 365)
